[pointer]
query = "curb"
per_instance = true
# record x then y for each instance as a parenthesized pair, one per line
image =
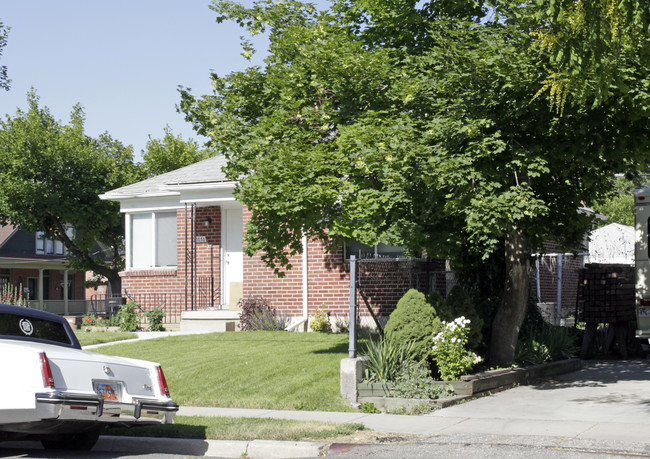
(218, 448)
(192, 447)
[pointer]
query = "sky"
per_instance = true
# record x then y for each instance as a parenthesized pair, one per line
(122, 60)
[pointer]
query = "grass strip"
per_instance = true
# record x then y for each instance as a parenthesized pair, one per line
(270, 370)
(226, 428)
(88, 338)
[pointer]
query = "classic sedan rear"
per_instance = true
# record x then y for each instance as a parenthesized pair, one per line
(52, 390)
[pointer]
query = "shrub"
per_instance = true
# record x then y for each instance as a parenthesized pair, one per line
(89, 320)
(551, 343)
(155, 318)
(250, 308)
(369, 407)
(269, 320)
(320, 322)
(459, 304)
(450, 350)
(128, 317)
(386, 356)
(414, 320)
(257, 314)
(414, 381)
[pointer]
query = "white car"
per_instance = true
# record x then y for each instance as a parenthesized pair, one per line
(53, 391)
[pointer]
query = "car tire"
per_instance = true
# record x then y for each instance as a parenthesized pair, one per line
(82, 441)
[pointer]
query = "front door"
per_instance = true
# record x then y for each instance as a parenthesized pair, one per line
(233, 257)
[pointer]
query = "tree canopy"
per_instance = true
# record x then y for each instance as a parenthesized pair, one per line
(51, 177)
(595, 49)
(412, 123)
(170, 153)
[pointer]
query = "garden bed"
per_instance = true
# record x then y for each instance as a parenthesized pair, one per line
(469, 386)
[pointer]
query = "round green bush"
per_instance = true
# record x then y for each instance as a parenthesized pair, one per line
(414, 320)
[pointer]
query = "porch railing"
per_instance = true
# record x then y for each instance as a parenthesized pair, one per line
(75, 307)
(171, 303)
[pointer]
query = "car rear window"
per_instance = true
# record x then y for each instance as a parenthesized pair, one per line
(32, 327)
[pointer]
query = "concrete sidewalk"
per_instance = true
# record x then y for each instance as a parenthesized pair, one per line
(606, 402)
(146, 336)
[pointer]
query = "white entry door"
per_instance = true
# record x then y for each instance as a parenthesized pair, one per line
(233, 257)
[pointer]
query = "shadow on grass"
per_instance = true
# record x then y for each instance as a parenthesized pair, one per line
(167, 431)
(341, 348)
(227, 428)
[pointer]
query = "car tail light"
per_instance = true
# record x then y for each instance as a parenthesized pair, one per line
(162, 382)
(48, 378)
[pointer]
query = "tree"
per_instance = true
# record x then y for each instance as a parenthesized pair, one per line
(360, 126)
(170, 153)
(596, 49)
(618, 206)
(51, 177)
(4, 79)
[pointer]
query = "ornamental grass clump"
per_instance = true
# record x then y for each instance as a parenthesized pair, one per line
(450, 351)
(386, 357)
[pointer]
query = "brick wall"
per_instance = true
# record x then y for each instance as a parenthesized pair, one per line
(328, 281)
(328, 275)
(150, 284)
(383, 283)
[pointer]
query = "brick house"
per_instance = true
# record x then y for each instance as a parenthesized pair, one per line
(40, 267)
(184, 252)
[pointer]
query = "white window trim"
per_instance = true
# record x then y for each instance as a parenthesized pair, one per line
(128, 234)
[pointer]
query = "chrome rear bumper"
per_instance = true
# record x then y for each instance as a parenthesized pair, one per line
(85, 407)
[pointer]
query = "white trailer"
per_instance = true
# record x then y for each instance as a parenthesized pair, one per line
(642, 261)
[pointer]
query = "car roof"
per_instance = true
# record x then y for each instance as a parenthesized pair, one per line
(45, 315)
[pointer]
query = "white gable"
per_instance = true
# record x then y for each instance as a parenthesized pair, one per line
(612, 244)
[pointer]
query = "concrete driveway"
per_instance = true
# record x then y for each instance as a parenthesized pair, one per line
(609, 400)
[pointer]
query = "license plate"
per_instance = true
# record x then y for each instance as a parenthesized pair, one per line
(643, 312)
(108, 391)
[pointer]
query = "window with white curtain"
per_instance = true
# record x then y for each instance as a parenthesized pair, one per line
(153, 239)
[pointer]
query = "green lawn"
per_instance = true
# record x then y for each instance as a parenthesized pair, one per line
(272, 370)
(223, 428)
(88, 338)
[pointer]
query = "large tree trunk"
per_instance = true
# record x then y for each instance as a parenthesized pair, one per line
(511, 312)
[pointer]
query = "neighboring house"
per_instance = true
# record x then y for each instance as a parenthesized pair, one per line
(39, 266)
(557, 274)
(612, 244)
(184, 252)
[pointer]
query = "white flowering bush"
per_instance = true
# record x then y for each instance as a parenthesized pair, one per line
(450, 350)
